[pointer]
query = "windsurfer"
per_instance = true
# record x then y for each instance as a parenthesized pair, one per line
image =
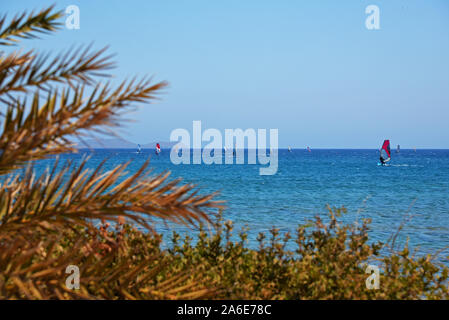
(383, 161)
(385, 150)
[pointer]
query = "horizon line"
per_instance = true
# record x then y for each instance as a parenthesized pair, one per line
(283, 148)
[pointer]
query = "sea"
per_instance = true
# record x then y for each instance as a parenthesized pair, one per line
(412, 192)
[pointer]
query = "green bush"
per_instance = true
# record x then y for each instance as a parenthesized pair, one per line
(329, 263)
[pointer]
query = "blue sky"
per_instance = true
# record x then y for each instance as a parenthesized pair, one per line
(308, 68)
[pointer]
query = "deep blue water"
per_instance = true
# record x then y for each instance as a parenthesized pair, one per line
(416, 183)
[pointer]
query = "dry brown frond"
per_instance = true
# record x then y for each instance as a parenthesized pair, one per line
(62, 197)
(27, 26)
(33, 268)
(48, 125)
(20, 74)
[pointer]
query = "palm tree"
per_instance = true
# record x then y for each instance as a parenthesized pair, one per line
(47, 221)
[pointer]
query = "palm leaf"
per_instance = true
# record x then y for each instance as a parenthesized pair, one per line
(28, 26)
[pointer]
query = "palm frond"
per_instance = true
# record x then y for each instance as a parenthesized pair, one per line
(22, 73)
(64, 198)
(47, 127)
(28, 26)
(33, 267)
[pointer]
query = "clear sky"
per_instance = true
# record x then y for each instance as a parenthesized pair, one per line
(308, 68)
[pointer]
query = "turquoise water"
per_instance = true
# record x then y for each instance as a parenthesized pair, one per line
(416, 183)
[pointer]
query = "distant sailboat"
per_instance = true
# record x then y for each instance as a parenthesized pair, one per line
(289, 149)
(308, 149)
(398, 149)
(158, 148)
(139, 149)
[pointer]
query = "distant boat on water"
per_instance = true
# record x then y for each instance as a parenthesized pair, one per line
(308, 149)
(398, 149)
(289, 149)
(139, 149)
(158, 148)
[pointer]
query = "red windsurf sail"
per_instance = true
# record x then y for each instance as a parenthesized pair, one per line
(386, 148)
